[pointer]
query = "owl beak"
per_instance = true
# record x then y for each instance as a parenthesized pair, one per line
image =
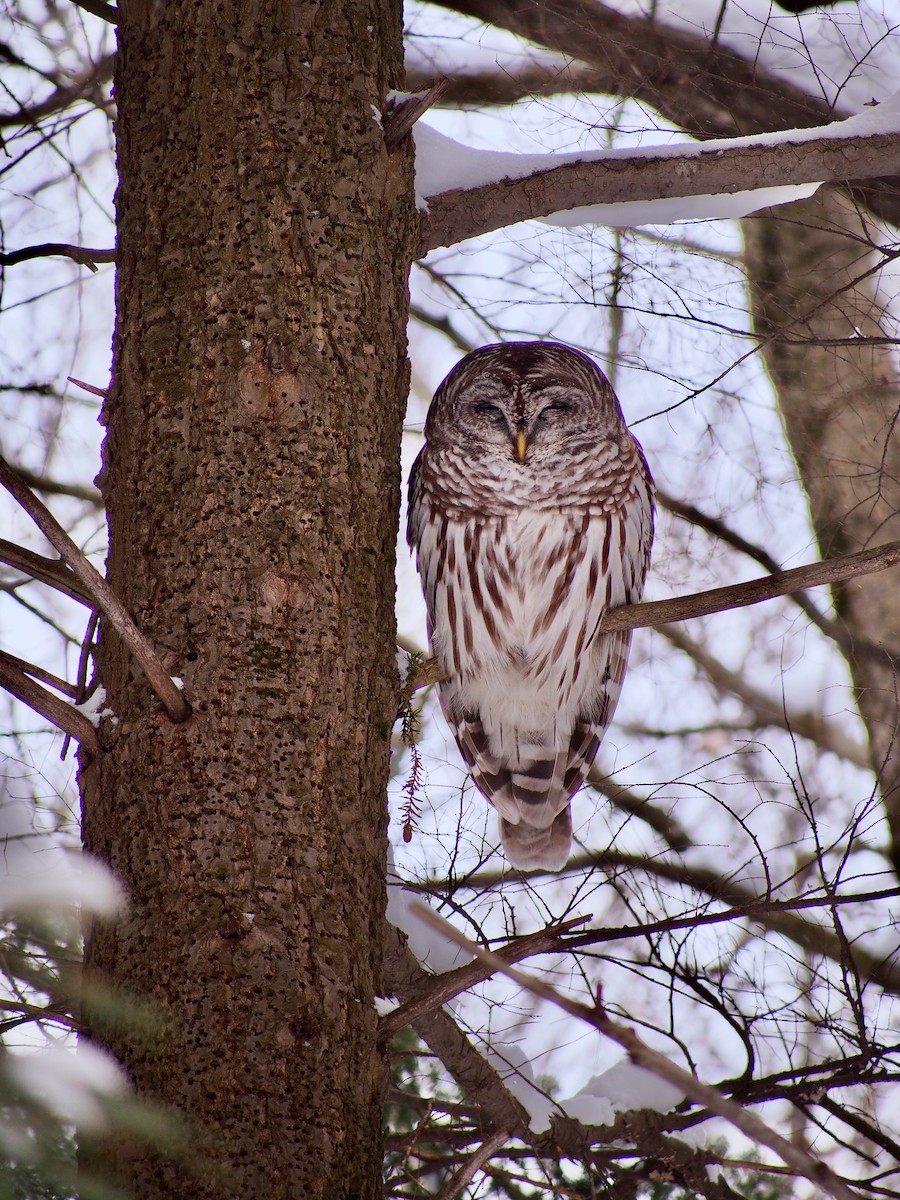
(521, 445)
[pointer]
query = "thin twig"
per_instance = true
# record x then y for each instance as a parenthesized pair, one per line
(644, 1056)
(672, 833)
(172, 699)
(441, 988)
(64, 716)
(472, 1166)
(88, 387)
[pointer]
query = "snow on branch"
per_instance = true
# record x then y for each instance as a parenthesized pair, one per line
(466, 192)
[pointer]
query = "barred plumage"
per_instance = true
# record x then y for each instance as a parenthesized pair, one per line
(531, 512)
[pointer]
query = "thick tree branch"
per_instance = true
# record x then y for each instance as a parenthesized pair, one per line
(503, 87)
(739, 595)
(172, 699)
(64, 716)
(718, 529)
(472, 1072)
(46, 570)
(669, 172)
(545, 941)
(714, 91)
(27, 668)
(478, 1079)
(766, 711)
(653, 613)
(699, 86)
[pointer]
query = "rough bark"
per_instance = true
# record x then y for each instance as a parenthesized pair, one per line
(251, 473)
(811, 280)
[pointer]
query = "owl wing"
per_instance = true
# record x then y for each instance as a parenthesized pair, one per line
(531, 785)
(601, 563)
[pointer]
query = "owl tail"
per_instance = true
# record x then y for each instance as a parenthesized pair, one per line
(533, 847)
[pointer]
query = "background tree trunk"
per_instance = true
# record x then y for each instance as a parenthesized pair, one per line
(251, 474)
(811, 272)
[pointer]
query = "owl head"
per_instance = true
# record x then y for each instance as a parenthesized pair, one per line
(524, 401)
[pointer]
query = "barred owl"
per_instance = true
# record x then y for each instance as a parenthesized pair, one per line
(531, 514)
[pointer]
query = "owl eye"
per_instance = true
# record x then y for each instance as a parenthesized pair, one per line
(484, 409)
(558, 406)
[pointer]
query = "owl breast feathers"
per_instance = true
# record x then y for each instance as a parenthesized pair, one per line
(531, 513)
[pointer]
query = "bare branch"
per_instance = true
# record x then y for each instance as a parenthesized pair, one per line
(503, 87)
(80, 254)
(172, 699)
(64, 716)
(472, 1166)
(667, 172)
(718, 529)
(46, 570)
(779, 916)
(441, 1034)
(61, 685)
(452, 982)
(765, 710)
(653, 613)
(97, 8)
(52, 487)
(707, 89)
(403, 114)
(702, 87)
(651, 1060)
(98, 74)
(628, 802)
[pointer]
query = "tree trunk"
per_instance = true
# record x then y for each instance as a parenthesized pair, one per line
(251, 474)
(811, 280)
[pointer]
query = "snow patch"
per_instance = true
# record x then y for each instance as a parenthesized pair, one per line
(624, 1087)
(95, 708)
(433, 949)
